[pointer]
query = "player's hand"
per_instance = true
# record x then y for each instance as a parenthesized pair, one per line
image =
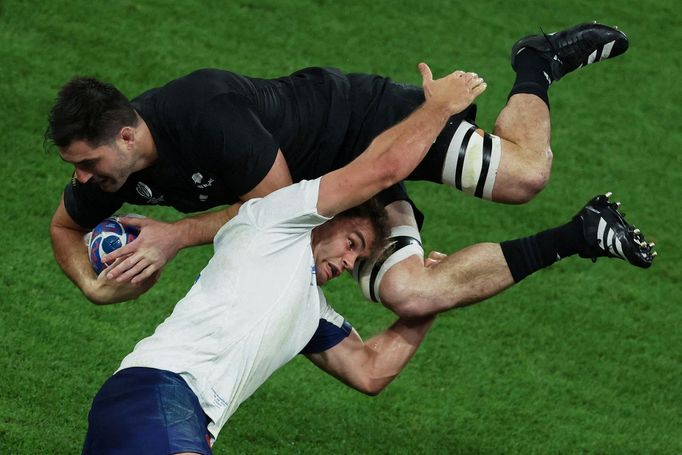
(434, 258)
(452, 93)
(153, 248)
(104, 290)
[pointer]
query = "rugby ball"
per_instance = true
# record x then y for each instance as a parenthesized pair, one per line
(109, 235)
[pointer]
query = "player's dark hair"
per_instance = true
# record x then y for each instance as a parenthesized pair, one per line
(90, 110)
(375, 212)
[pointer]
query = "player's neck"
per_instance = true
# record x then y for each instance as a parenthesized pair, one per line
(146, 147)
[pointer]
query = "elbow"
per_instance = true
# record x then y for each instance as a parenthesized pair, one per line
(372, 387)
(95, 299)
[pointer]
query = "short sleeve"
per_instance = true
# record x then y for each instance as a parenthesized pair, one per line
(87, 204)
(331, 330)
(233, 142)
(289, 209)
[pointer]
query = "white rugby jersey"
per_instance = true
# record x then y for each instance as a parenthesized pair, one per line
(254, 307)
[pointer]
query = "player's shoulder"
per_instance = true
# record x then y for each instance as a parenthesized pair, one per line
(294, 205)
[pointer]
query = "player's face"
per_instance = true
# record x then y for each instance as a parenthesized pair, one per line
(108, 165)
(337, 244)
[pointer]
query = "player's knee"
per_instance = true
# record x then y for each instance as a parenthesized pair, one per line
(401, 294)
(535, 177)
(397, 290)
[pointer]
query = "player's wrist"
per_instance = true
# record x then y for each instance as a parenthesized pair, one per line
(440, 110)
(185, 233)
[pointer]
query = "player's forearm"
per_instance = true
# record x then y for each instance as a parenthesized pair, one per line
(390, 158)
(201, 229)
(401, 148)
(391, 350)
(71, 255)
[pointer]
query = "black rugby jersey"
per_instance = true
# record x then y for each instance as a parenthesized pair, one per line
(217, 134)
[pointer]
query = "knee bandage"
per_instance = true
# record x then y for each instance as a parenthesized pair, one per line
(403, 242)
(472, 160)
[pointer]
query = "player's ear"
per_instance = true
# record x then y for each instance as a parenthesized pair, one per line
(127, 133)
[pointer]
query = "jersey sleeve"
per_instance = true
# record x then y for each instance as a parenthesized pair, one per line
(331, 330)
(87, 204)
(235, 143)
(288, 210)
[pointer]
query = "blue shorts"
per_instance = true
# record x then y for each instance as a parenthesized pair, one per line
(144, 410)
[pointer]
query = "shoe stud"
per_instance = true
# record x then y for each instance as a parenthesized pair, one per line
(654, 254)
(608, 195)
(636, 232)
(652, 244)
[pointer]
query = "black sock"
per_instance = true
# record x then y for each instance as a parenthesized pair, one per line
(530, 254)
(533, 75)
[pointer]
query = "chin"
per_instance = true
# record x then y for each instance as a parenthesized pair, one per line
(110, 187)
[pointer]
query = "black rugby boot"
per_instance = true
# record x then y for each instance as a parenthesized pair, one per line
(607, 234)
(573, 48)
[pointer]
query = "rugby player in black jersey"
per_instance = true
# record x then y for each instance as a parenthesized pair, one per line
(214, 138)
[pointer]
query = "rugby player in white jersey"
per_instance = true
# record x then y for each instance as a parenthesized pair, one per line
(258, 303)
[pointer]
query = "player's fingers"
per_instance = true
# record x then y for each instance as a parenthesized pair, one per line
(135, 270)
(479, 89)
(114, 269)
(427, 75)
(122, 265)
(125, 250)
(475, 80)
(434, 258)
(430, 262)
(150, 272)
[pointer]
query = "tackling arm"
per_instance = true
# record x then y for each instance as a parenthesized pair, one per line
(72, 256)
(370, 366)
(159, 242)
(394, 154)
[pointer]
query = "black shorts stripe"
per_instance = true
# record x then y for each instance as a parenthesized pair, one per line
(485, 165)
(398, 243)
(460, 157)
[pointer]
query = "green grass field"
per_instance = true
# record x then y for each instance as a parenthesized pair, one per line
(581, 358)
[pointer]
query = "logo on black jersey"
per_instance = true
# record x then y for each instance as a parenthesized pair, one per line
(146, 192)
(197, 178)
